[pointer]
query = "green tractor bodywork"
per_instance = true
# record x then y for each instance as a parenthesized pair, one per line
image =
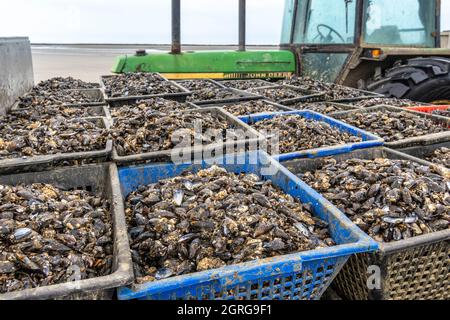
(212, 64)
(391, 47)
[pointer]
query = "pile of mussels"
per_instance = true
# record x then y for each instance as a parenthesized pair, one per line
(393, 126)
(321, 107)
(391, 200)
(246, 84)
(332, 91)
(277, 94)
(210, 219)
(154, 126)
(56, 91)
(295, 133)
(137, 84)
(250, 107)
(20, 137)
(440, 156)
(50, 236)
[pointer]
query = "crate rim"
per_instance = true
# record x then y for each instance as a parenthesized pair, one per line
(124, 273)
(364, 243)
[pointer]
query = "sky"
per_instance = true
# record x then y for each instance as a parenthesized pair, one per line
(145, 21)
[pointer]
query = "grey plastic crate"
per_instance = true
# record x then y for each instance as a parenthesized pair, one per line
(164, 156)
(425, 140)
(416, 268)
(102, 180)
(46, 162)
(120, 101)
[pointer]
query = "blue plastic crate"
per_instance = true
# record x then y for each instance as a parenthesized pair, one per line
(304, 275)
(369, 140)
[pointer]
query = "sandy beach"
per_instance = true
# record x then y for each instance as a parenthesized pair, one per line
(89, 62)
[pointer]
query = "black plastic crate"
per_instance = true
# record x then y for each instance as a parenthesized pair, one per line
(46, 162)
(102, 180)
(416, 268)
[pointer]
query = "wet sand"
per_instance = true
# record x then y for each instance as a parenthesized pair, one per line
(89, 62)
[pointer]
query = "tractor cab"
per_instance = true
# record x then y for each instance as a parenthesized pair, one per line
(333, 37)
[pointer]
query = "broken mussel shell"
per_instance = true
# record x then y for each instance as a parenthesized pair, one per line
(390, 200)
(50, 236)
(213, 218)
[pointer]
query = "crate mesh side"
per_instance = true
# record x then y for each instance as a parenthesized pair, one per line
(419, 273)
(351, 282)
(307, 284)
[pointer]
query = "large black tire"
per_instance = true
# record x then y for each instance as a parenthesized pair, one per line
(420, 79)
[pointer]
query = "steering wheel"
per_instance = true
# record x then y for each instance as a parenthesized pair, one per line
(328, 37)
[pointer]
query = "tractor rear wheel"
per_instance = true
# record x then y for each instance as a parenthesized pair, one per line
(420, 79)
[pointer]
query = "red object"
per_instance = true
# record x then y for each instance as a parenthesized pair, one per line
(428, 109)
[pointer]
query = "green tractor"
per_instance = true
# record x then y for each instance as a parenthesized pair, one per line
(385, 46)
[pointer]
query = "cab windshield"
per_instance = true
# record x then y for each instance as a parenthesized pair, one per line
(405, 22)
(325, 22)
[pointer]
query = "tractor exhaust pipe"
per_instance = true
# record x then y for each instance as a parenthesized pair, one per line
(176, 27)
(242, 25)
